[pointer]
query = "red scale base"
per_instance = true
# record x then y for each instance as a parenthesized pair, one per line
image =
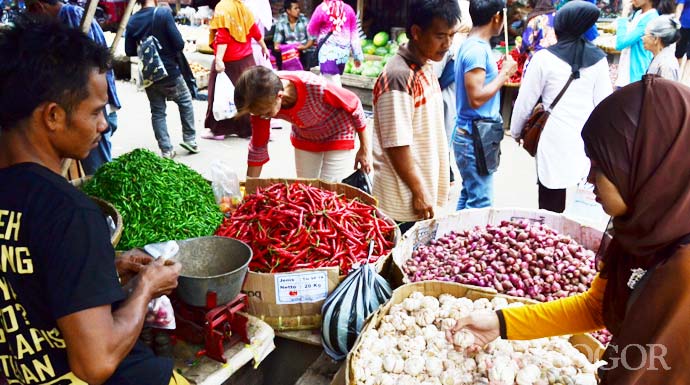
(213, 325)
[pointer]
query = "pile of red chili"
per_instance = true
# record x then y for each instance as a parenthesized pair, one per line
(296, 226)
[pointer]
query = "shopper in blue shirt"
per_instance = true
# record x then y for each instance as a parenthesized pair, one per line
(478, 84)
(71, 15)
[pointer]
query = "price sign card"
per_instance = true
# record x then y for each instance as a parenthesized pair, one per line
(301, 287)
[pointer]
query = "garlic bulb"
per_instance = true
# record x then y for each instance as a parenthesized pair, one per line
(425, 317)
(389, 362)
(433, 366)
(386, 379)
(430, 303)
(503, 372)
(463, 339)
(482, 304)
(414, 365)
(528, 375)
(411, 304)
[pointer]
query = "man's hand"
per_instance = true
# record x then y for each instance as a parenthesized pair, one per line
(130, 264)
(510, 66)
(422, 206)
(362, 160)
(483, 325)
(159, 277)
(357, 63)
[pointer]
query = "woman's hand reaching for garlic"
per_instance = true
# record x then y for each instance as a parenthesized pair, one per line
(475, 331)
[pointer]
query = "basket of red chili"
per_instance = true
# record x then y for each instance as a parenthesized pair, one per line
(306, 236)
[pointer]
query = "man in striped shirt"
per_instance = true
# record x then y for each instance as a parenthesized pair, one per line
(410, 147)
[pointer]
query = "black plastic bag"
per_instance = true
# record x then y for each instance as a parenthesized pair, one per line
(359, 179)
(348, 306)
(486, 137)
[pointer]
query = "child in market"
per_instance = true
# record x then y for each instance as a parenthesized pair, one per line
(324, 118)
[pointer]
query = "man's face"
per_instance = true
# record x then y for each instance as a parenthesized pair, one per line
(80, 131)
(497, 23)
(434, 42)
(294, 10)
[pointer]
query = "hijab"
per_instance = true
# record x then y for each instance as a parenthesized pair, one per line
(233, 16)
(639, 137)
(542, 7)
(570, 24)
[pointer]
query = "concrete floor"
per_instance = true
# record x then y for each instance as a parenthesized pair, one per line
(515, 181)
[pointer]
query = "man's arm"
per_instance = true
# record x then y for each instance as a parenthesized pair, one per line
(405, 167)
(97, 339)
(130, 45)
(479, 93)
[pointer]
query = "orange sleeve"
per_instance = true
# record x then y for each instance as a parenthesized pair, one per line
(573, 315)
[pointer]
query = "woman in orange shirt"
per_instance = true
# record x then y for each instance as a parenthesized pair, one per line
(231, 31)
(638, 140)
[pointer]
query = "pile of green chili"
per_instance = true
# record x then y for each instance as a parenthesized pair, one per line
(159, 199)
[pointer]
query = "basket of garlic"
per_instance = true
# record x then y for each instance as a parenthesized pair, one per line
(404, 343)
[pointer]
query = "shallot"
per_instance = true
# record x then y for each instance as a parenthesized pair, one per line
(522, 259)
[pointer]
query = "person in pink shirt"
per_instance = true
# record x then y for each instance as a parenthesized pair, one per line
(325, 120)
(335, 25)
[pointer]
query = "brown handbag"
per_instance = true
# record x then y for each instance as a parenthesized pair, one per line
(537, 121)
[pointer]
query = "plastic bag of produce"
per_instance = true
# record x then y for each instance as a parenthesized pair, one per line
(226, 186)
(290, 57)
(348, 306)
(360, 180)
(160, 314)
(224, 98)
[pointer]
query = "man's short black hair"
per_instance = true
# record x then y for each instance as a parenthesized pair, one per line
(481, 11)
(44, 61)
(422, 13)
(288, 4)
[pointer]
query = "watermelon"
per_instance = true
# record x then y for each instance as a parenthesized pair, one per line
(369, 49)
(356, 71)
(402, 38)
(348, 67)
(381, 51)
(380, 39)
(371, 72)
(393, 47)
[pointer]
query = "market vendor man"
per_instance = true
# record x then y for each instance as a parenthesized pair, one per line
(65, 317)
(410, 149)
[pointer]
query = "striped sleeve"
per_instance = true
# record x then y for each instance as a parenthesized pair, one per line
(258, 144)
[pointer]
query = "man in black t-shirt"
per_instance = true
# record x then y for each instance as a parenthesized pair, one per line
(64, 317)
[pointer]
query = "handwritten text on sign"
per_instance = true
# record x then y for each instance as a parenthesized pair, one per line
(301, 287)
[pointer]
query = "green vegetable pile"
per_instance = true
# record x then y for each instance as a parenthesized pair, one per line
(159, 199)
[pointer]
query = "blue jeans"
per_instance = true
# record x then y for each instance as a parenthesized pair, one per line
(101, 154)
(177, 91)
(477, 190)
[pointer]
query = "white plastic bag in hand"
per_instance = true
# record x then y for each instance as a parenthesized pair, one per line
(224, 98)
(160, 313)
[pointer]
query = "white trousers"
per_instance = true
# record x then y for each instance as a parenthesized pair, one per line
(332, 166)
(334, 79)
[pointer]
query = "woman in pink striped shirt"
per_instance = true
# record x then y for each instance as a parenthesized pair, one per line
(325, 119)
